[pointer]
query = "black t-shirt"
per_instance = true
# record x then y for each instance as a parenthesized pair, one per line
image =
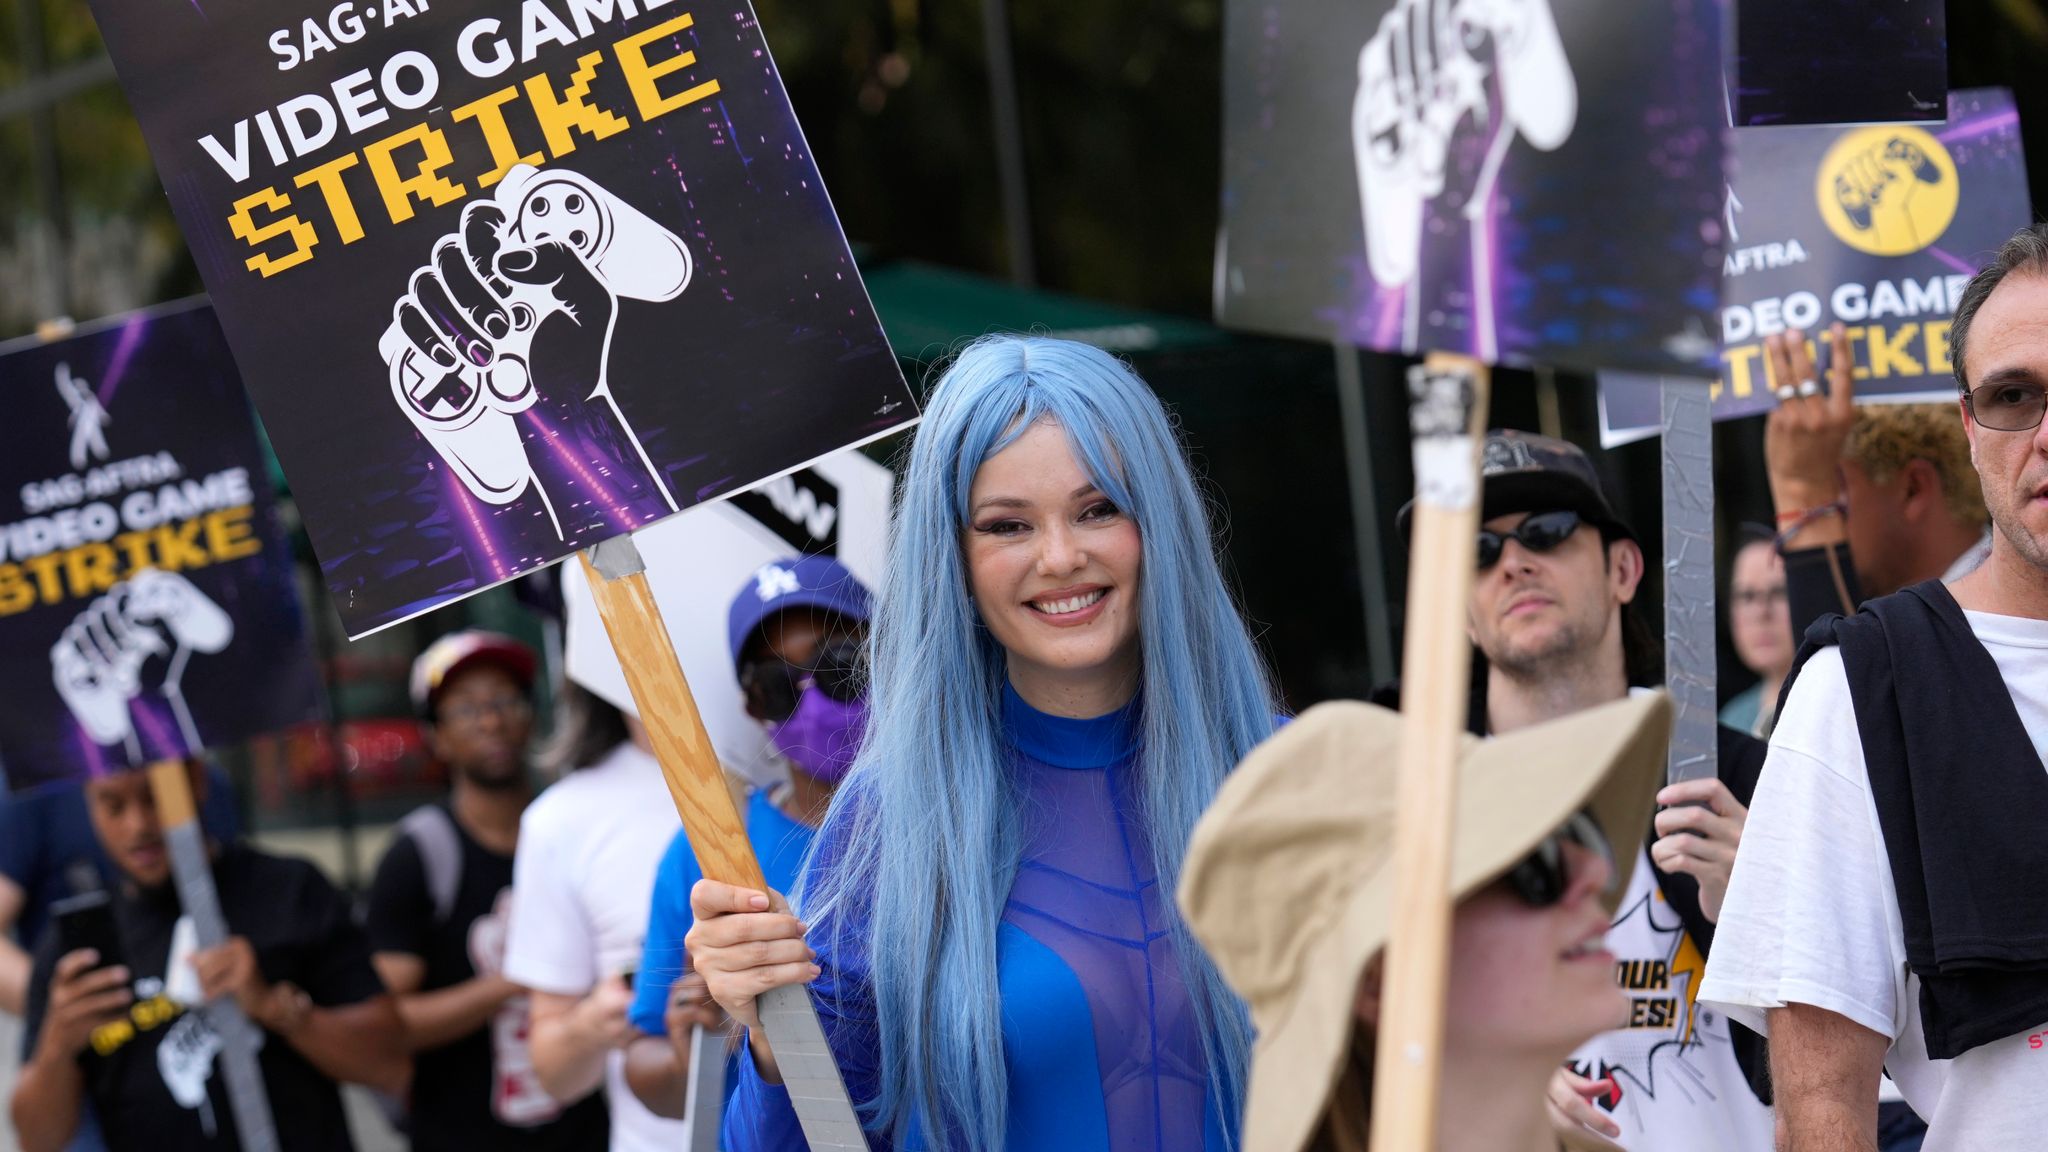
(153, 1078)
(478, 1092)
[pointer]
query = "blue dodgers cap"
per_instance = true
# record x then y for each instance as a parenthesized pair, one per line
(797, 582)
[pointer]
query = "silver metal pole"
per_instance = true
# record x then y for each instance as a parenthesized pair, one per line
(1688, 450)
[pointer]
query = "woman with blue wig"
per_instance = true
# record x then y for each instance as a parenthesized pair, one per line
(1060, 683)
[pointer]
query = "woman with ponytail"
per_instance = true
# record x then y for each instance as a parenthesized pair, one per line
(1060, 683)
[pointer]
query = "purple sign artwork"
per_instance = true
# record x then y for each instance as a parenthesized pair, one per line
(505, 280)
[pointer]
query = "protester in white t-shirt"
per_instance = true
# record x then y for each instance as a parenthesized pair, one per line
(582, 881)
(1549, 612)
(1811, 941)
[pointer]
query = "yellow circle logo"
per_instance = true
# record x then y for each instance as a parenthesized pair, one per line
(1889, 190)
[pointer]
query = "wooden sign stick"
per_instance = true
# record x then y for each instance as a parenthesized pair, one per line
(718, 836)
(1447, 411)
(192, 871)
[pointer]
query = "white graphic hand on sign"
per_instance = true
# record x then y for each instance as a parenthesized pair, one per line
(184, 1058)
(1422, 75)
(88, 419)
(97, 663)
(520, 301)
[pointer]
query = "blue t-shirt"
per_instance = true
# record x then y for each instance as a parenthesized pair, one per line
(44, 830)
(779, 842)
(1100, 1040)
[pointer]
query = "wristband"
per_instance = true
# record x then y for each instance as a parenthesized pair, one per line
(1805, 516)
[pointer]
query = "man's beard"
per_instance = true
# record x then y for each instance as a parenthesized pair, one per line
(1571, 644)
(491, 780)
(2012, 526)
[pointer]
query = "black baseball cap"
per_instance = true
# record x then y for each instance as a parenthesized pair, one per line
(1525, 472)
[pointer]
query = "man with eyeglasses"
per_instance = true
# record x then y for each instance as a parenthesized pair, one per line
(437, 914)
(1888, 913)
(796, 631)
(1552, 614)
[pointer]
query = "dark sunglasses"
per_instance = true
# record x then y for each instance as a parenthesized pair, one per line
(2014, 406)
(1538, 533)
(1542, 877)
(773, 686)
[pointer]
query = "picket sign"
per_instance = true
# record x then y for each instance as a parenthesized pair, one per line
(1447, 413)
(718, 834)
(170, 784)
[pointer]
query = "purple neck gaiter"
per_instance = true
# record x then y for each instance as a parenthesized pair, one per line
(822, 735)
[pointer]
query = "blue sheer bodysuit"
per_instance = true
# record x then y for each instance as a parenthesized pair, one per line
(1101, 1043)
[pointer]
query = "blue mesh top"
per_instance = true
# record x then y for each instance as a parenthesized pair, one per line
(1101, 1044)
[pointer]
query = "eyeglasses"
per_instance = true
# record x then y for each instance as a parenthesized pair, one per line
(1542, 878)
(1539, 533)
(2013, 406)
(1769, 597)
(772, 686)
(470, 713)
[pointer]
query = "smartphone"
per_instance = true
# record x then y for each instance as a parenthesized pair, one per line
(87, 921)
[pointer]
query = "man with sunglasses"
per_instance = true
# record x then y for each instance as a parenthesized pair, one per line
(1552, 614)
(796, 631)
(1887, 914)
(438, 914)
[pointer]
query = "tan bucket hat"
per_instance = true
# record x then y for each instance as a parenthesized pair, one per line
(1289, 878)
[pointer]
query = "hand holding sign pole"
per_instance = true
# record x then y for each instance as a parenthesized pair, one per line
(718, 836)
(1448, 402)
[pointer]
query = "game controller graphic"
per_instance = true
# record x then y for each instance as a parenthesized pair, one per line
(97, 662)
(1424, 73)
(521, 299)
(1880, 179)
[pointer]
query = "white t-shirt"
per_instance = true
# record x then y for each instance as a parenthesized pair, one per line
(1812, 917)
(582, 885)
(1680, 1087)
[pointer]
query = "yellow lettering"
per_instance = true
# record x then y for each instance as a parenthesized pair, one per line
(641, 76)
(1740, 377)
(1888, 356)
(572, 112)
(328, 178)
(89, 568)
(230, 535)
(490, 116)
(15, 594)
(48, 587)
(178, 548)
(398, 191)
(1935, 335)
(242, 223)
(136, 545)
(1860, 371)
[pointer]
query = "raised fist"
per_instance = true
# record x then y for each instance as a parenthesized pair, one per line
(1875, 189)
(517, 308)
(97, 662)
(1430, 67)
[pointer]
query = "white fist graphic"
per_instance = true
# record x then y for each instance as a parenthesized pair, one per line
(1423, 73)
(516, 307)
(97, 663)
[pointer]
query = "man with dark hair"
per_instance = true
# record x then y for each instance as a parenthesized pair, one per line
(124, 1032)
(1558, 571)
(1884, 915)
(437, 915)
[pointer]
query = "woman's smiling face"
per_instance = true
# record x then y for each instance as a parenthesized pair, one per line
(1053, 566)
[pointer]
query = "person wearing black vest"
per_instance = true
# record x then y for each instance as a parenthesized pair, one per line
(439, 911)
(1887, 912)
(1555, 633)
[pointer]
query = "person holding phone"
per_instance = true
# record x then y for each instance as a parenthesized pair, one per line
(121, 1031)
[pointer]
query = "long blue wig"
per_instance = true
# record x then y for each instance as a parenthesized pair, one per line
(928, 818)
